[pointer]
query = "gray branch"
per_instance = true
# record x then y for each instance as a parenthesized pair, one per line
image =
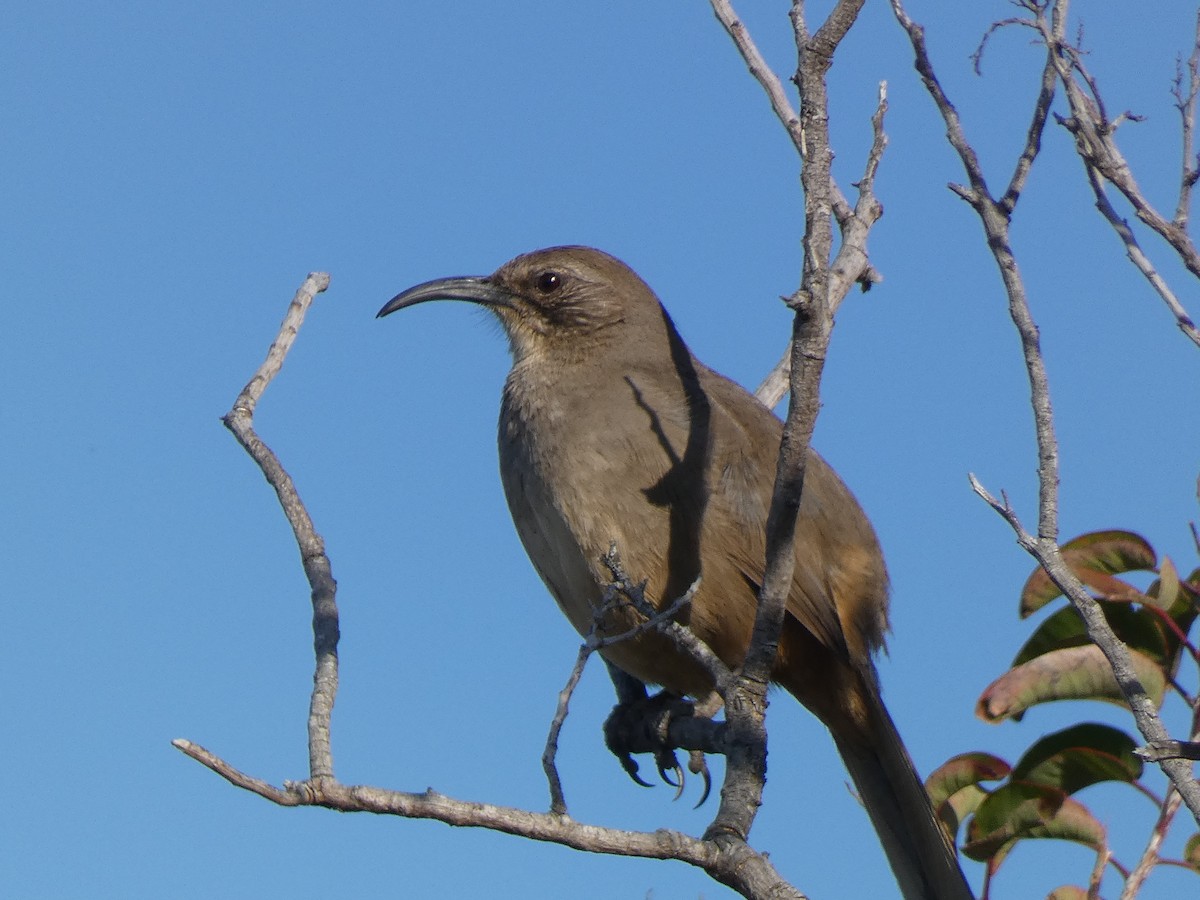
(240, 421)
(824, 282)
(1044, 548)
(732, 863)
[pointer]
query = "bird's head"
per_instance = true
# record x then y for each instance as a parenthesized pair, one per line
(552, 301)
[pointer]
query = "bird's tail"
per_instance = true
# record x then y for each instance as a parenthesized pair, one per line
(921, 855)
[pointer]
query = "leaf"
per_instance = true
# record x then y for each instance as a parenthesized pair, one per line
(957, 808)
(1067, 892)
(954, 786)
(962, 771)
(1191, 852)
(1074, 673)
(1093, 558)
(1193, 580)
(1079, 756)
(1168, 590)
(1019, 810)
(1140, 629)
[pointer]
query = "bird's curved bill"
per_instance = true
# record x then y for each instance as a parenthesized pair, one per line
(472, 288)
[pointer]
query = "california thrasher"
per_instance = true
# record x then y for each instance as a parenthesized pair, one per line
(612, 431)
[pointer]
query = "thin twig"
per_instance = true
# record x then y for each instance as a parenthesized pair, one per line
(1046, 552)
(1185, 102)
(593, 642)
(1150, 855)
(851, 265)
(1139, 259)
(1037, 124)
(1095, 142)
(734, 864)
(774, 387)
(317, 568)
(1044, 547)
(662, 620)
(558, 801)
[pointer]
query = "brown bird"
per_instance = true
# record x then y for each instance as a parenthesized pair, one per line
(612, 431)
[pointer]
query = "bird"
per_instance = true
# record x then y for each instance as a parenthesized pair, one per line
(612, 433)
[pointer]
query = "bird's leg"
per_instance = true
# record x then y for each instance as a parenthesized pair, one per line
(641, 723)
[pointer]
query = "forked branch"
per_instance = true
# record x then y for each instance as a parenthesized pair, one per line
(995, 216)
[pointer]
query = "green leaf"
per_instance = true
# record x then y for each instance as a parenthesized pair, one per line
(954, 786)
(961, 771)
(1079, 756)
(1019, 810)
(1094, 558)
(1140, 629)
(1074, 673)
(1191, 852)
(1067, 892)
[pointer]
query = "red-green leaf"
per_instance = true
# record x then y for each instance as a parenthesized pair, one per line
(1067, 892)
(1140, 629)
(1018, 811)
(1079, 756)
(1075, 673)
(1093, 558)
(960, 771)
(1191, 852)
(954, 786)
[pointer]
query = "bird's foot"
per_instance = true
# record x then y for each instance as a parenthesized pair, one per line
(643, 726)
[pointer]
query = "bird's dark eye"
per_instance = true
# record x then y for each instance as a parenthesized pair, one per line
(549, 282)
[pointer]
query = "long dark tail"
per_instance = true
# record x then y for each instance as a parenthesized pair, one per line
(921, 856)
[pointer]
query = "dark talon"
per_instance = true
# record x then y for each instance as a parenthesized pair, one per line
(698, 765)
(640, 726)
(629, 764)
(668, 765)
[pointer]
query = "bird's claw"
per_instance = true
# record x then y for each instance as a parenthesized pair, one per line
(698, 765)
(642, 726)
(629, 764)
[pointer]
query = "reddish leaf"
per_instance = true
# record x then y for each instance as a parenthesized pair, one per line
(1074, 673)
(1079, 756)
(960, 771)
(954, 786)
(1094, 558)
(1019, 810)
(1140, 629)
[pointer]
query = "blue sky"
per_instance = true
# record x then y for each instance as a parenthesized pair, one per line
(172, 172)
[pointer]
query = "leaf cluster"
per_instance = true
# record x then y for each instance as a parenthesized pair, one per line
(1037, 796)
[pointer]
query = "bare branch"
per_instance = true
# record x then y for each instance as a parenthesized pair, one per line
(1096, 145)
(762, 72)
(782, 107)
(1185, 102)
(663, 620)
(1041, 109)
(1139, 259)
(954, 130)
(317, 568)
(822, 287)
(236, 777)
(558, 802)
(1044, 547)
(851, 265)
(655, 620)
(1160, 750)
(1150, 855)
(732, 862)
